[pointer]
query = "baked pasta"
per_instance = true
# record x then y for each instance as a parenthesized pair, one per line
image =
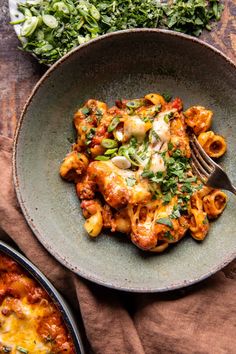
(131, 165)
(29, 320)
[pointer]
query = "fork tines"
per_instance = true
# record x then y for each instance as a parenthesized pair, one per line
(201, 163)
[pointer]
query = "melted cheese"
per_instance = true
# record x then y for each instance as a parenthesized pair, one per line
(20, 327)
(135, 126)
(161, 127)
(157, 164)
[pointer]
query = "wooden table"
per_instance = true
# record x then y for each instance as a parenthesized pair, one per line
(19, 71)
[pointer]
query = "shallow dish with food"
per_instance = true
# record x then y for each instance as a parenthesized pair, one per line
(125, 64)
(34, 316)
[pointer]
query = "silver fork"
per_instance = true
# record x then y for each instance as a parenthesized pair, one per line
(209, 172)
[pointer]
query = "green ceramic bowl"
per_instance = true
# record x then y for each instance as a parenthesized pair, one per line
(124, 64)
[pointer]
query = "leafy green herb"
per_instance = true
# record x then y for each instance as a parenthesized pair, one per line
(131, 181)
(85, 111)
(148, 174)
(158, 178)
(165, 221)
(191, 16)
(53, 28)
(133, 142)
(167, 97)
(168, 235)
(166, 198)
(99, 114)
(89, 135)
(170, 146)
(175, 212)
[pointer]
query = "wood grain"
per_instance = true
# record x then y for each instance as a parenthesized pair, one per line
(19, 71)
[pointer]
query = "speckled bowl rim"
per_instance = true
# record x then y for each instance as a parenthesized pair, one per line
(62, 259)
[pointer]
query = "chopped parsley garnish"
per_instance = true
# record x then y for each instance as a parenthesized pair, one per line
(168, 235)
(148, 174)
(175, 212)
(89, 135)
(98, 113)
(166, 198)
(167, 97)
(175, 180)
(165, 221)
(85, 111)
(53, 28)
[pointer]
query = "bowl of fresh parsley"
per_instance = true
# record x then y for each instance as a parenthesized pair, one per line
(51, 28)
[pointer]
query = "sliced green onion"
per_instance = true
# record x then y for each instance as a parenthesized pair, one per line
(80, 24)
(134, 104)
(22, 350)
(111, 151)
(27, 13)
(102, 158)
(166, 119)
(50, 21)
(109, 143)
(93, 30)
(126, 151)
(115, 121)
(29, 26)
(94, 12)
(83, 8)
(17, 22)
(61, 6)
(91, 21)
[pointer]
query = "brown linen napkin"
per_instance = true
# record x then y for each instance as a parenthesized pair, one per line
(200, 320)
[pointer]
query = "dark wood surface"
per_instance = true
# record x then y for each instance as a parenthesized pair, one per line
(19, 71)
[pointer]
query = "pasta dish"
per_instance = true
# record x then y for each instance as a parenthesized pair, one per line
(29, 320)
(131, 165)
